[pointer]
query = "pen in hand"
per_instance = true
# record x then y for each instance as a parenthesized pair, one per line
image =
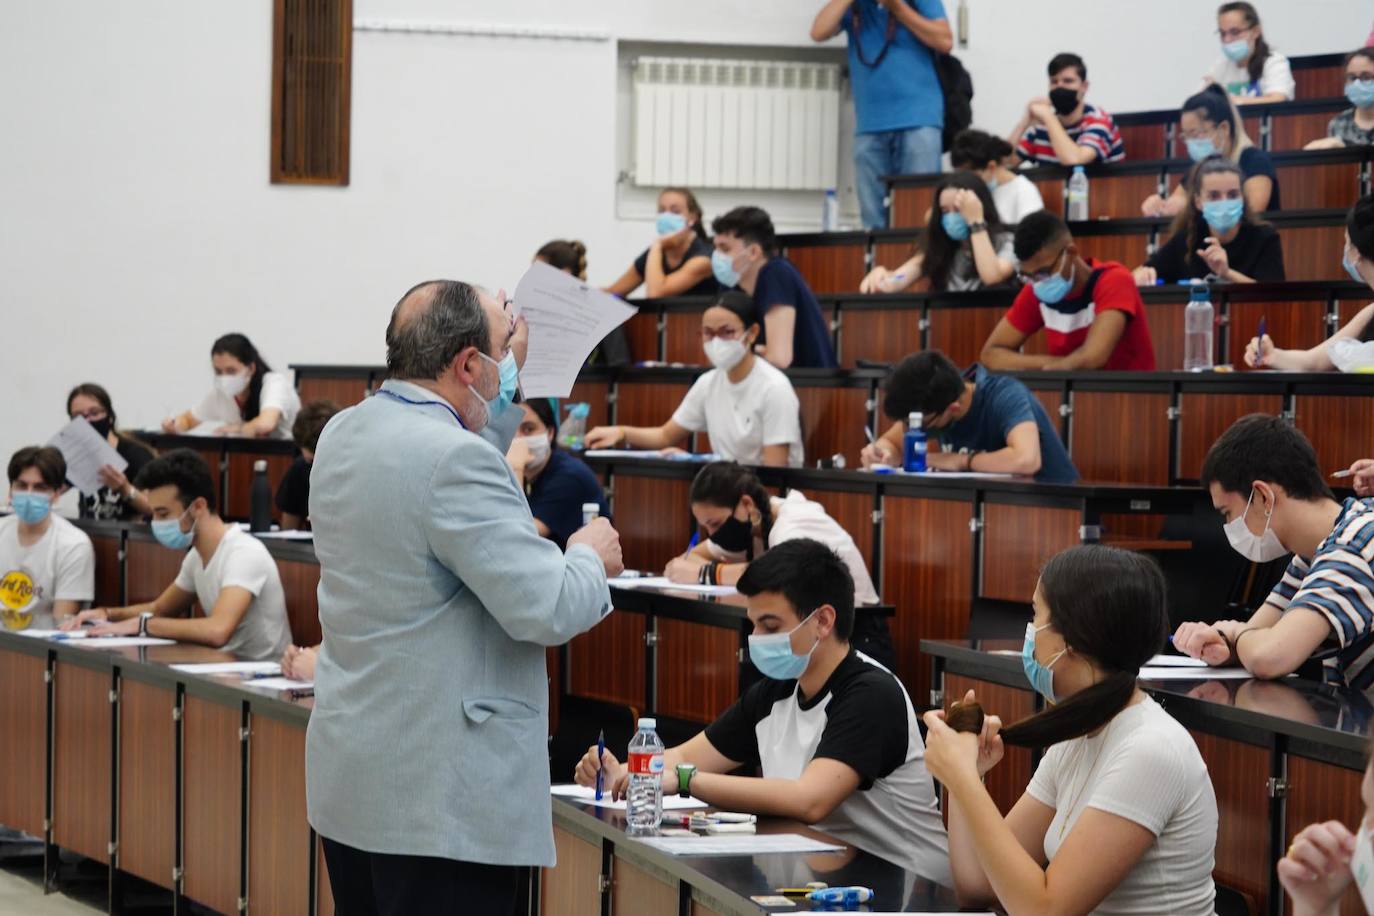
(1259, 341)
(600, 773)
(1346, 473)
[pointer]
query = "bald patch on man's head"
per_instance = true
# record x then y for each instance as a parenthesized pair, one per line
(414, 303)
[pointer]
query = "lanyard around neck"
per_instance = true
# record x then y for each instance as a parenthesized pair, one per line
(405, 400)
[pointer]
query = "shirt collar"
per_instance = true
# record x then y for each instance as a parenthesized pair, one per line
(418, 396)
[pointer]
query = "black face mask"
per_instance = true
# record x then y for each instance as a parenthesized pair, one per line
(1064, 100)
(734, 536)
(101, 426)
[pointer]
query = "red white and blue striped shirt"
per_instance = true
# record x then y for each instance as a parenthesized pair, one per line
(1096, 130)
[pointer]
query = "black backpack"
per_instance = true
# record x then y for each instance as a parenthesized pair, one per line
(957, 87)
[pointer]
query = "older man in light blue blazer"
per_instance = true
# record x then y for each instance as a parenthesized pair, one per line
(426, 756)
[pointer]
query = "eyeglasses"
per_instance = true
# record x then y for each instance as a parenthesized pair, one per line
(1233, 34)
(1037, 276)
(91, 415)
(722, 333)
(1359, 78)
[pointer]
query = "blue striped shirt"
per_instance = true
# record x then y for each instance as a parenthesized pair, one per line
(1338, 583)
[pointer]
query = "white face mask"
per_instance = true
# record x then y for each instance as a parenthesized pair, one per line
(1254, 547)
(232, 384)
(724, 354)
(539, 449)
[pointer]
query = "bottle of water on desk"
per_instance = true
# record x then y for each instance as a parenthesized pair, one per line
(644, 799)
(1078, 195)
(574, 427)
(914, 445)
(830, 212)
(1197, 327)
(260, 499)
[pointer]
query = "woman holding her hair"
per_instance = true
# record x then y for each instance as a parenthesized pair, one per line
(964, 247)
(248, 398)
(1249, 71)
(1354, 126)
(1216, 234)
(117, 496)
(1120, 816)
(983, 154)
(678, 261)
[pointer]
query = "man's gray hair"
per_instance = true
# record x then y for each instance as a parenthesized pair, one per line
(424, 336)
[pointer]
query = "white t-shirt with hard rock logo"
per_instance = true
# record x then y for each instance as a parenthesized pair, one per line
(60, 567)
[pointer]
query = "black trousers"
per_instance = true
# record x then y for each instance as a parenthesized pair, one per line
(376, 884)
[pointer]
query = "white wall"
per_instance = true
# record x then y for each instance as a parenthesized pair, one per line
(137, 222)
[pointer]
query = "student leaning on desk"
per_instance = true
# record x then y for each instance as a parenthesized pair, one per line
(248, 398)
(834, 734)
(1265, 481)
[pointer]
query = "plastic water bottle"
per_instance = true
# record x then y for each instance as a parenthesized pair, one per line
(830, 212)
(260, 499)
(644, 803)
(914, 445)
(1078, 195)
(590, 513)
(574, 427)
(1197, 326)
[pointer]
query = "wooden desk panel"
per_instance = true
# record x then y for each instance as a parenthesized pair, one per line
(238, 501)
(1017, 540)
(1144, 141)
(1319, 792)
(647, 403)
(212, 803)
(830, 268)
(879, 335)
(149, 569)
(300, 582)
(1312, 253)
(1102, 453)
(1319, 82)
(927, 574)
(1007, 781)
(1349, 308)
(961, 333)
(147, 782)
(698, 670)
(682, 341)
(1120, 196)
(1052, 192)
(911, 206)
(108, 587)
(81, 755)
(1238, 778)
(342, 391)
(635, 891)
(1204, 417)
(1129, 250)
(641, 331)
(653, 518)
(1312, 186)
(279, 846)
(572, 888)
(893, 255)
(607, 662)
(1294, 131)
(1292, 325)
(833, 421)
(1341, 427)
(24, 750)
(596, 395)
(854, 513)
(1166, 334)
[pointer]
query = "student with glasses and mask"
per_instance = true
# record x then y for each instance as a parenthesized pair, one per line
(1090, 310)
(117, 497)
(745, 404)
(1216, 235)
(834, 734)
(1265, 481)
(1120, 816)
(248, 398)
(47, 564)
(1249, 71)
(556, 484)
(1062, 128)
(1354, 126)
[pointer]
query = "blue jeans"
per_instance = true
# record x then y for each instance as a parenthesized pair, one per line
(894, 152)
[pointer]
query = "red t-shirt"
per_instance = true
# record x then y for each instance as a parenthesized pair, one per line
(1066, 323)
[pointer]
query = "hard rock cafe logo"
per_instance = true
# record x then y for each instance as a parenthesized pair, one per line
(18, 594)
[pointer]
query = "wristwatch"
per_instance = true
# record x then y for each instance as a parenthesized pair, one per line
(685, 772)
(143, 622)
(980, 226)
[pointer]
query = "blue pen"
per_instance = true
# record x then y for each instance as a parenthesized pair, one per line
(600, 773)
(1259, 342)
(842, 896)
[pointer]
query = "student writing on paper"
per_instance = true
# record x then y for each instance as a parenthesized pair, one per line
(118, 497)
(983, 422)
(226, 569)
(248, 398)
(1324, 858)
(293, 493)
(745, 404)
(556, 484)
(742, 522)
(1264, 479)
(834, 734)
(47, 564)
(1120, 816)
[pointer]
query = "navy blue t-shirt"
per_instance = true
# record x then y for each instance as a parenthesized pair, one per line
(557, 495)
(780, 283)
(1255, 162)
(1000, 403)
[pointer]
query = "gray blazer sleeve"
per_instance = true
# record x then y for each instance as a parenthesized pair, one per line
(501, 431)
(480, 528)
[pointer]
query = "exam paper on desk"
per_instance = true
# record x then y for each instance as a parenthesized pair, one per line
(567, 319)
(588, 795)
(1194, 674)
(86, 452)
(738, 844)
(666, 583)
(265, 668)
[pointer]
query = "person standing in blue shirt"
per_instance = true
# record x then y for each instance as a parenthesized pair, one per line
(556, 484)
(898, 101)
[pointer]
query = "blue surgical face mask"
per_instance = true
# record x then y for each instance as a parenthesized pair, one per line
(1053, 288)
(510, 381)
(1351, 269)
(1360, 93)
(723, 266)
(1040, 676)
(955, 226)
(1236, 50)
(169, 534)
(1199, 148)
(669, 223)
(1222, 215)
(31, 508)
(992, 182)
(772, 654)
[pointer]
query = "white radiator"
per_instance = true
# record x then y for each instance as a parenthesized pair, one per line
(736, 124)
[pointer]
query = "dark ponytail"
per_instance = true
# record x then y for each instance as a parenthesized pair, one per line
(242, 349)
(723, 483)
(1109, 605)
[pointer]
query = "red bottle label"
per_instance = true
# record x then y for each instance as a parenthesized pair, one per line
(645, 764)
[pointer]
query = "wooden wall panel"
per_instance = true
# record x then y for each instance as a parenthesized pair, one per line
(1052, 192)
(279, 842)
(238, 502)
(1238, 774)
(928, 575)
(1312, 186)
(211, 803)
(107, 571)
(1292, 325)
(1319, 82)
(960, 333)
(1294, 131)
(1205, 417)
(641, 331)
(1119, 196)
(1319, 792)
(147, 782)
(879, 335)
(82, 748)
(1144, 141)
(698, 670)
(1100, 450)
(1008, 780)
(911, 206)
(893, 255)
(1051, 399)
(647, 403)
(830, 268)
(342, 391)
(682, 341)
(1349, 308)
(23, 741)
(1166, 333)
(854, 513)
(653, 518)
(1129, 250)
(1313, 253)
(633, 890)
(1341, 428)
(572, 888)
(833, 421)
(607, 662)
(149, 569)
(1017, 540)
(300, 583)
(596, 395)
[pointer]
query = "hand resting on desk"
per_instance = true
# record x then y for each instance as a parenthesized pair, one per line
(1204, 641)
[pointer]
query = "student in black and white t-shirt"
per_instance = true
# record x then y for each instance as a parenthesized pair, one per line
(834, 733)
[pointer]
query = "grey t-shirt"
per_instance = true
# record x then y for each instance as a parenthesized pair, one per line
(963, 273)
(241, 560)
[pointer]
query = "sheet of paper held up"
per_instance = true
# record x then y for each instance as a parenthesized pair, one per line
(567, 319)
(665, 582)
(1194, 674)
(86, 452)
(588, 795)
(738, 844)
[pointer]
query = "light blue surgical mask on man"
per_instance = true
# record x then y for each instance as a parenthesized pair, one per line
(1222, 215)
(1199, 148)
(670, 223)
(1360, 93)
(723, 266)
(510, 382)
(169, 534)
(1040, 676)
(31, 508)
(955, 226)
(1053, 288)
(772, 654)
(1237, 50)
